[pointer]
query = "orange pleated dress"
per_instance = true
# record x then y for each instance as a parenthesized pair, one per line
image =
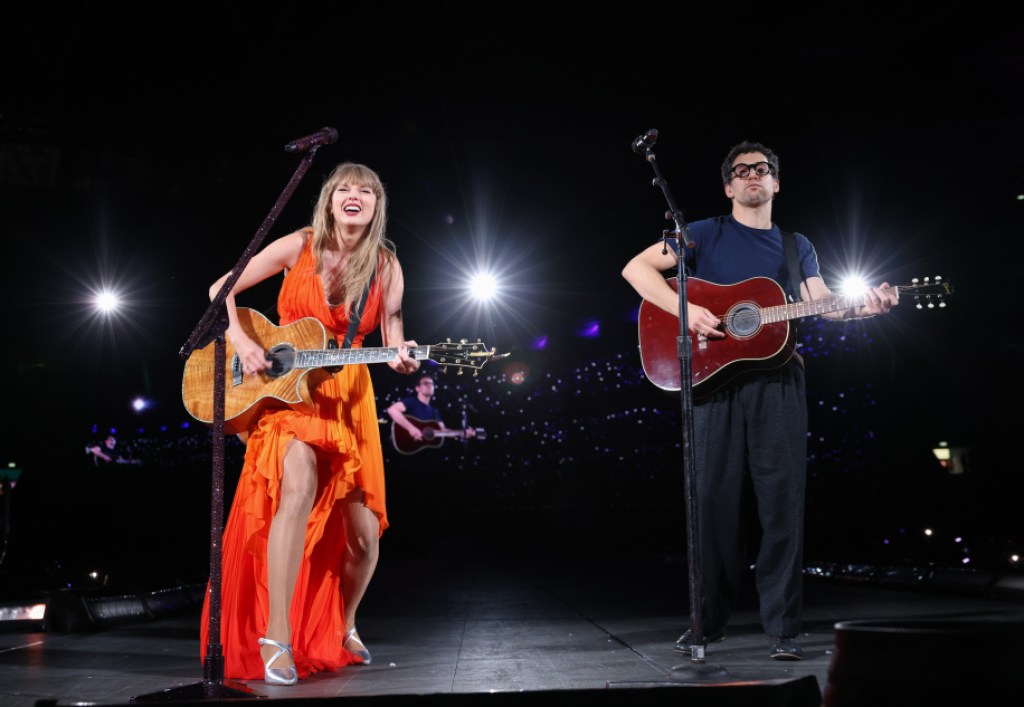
(344, 431)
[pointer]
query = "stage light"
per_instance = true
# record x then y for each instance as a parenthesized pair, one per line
(853, 285)
(22, 612)
(590, 329)
(952, 459)
(107, 301)
(483, 286)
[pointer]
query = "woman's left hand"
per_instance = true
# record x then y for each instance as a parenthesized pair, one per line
(404, 363)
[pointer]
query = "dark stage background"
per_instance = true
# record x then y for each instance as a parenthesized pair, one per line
(142, 151)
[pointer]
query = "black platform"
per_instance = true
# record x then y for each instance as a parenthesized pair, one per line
(459, 624)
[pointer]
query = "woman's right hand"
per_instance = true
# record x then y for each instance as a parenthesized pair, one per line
(253, 357)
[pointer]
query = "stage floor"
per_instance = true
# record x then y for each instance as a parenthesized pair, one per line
(453, 624)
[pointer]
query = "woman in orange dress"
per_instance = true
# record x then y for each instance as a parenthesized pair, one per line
(301, 540)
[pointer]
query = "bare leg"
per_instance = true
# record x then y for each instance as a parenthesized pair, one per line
(362, 537)
(286, 540)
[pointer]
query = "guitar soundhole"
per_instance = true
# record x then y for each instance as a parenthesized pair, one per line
(743, 320)
(282, 359)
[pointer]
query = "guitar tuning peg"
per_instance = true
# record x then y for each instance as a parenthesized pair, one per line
(463, 341)
(459, 372)
(914, 281)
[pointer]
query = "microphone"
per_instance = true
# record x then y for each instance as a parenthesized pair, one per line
(645, 142)
(324, 136)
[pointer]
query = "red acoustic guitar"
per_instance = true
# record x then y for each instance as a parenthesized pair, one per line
(755, 318)
(433, 435)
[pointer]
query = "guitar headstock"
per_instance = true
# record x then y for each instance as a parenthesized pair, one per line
(464, 354)
(929, 292)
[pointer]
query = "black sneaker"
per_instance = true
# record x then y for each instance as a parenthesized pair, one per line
(786, 648)
(686, 640)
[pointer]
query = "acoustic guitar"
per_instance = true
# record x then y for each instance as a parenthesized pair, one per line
(303, 355)
(434, 435)
(755, 317)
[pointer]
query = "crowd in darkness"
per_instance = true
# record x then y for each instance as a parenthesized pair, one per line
(578, 455)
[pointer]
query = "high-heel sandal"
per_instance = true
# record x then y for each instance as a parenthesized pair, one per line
(353, 635)
(279, 676)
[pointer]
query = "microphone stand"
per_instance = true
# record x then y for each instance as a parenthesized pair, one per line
(685, 352)
(211, 328)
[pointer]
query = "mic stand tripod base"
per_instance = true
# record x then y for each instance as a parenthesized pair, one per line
(213, 686)
(698, 670)
(206, 690)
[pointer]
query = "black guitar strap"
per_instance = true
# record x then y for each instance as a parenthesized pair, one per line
(357, 313)
(795, 274)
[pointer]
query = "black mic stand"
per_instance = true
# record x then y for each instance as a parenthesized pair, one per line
(685, 351)
(211, 328)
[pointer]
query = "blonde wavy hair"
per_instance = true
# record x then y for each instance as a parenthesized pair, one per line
(374, 249)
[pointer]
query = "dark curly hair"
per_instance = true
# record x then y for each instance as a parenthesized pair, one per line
(743, 148)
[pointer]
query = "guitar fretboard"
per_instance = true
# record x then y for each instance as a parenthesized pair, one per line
(327, 358)
(825, 305)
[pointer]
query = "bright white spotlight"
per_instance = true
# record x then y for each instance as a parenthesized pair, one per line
(853, 286)
(107, 301)
(483, 286)
(139, 404)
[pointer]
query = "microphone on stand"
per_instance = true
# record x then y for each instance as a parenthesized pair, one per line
(645, 142)
(324, 136)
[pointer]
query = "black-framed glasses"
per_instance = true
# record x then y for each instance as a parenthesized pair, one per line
(761, 169)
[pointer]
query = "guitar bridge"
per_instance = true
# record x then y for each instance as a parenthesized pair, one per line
(236, 370)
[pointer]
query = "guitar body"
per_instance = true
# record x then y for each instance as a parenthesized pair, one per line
(750, 342)
(405, 444)
(433, 435)
(246, 396)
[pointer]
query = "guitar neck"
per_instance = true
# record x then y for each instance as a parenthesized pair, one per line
(449, 433)
(798, 310)
(327, 358)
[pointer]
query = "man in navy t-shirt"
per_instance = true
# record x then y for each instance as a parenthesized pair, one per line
(755, 424)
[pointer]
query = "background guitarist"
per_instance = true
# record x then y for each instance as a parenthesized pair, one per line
(419, 406)
(757, 423)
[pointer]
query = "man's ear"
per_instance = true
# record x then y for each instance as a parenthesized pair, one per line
(729, 193)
